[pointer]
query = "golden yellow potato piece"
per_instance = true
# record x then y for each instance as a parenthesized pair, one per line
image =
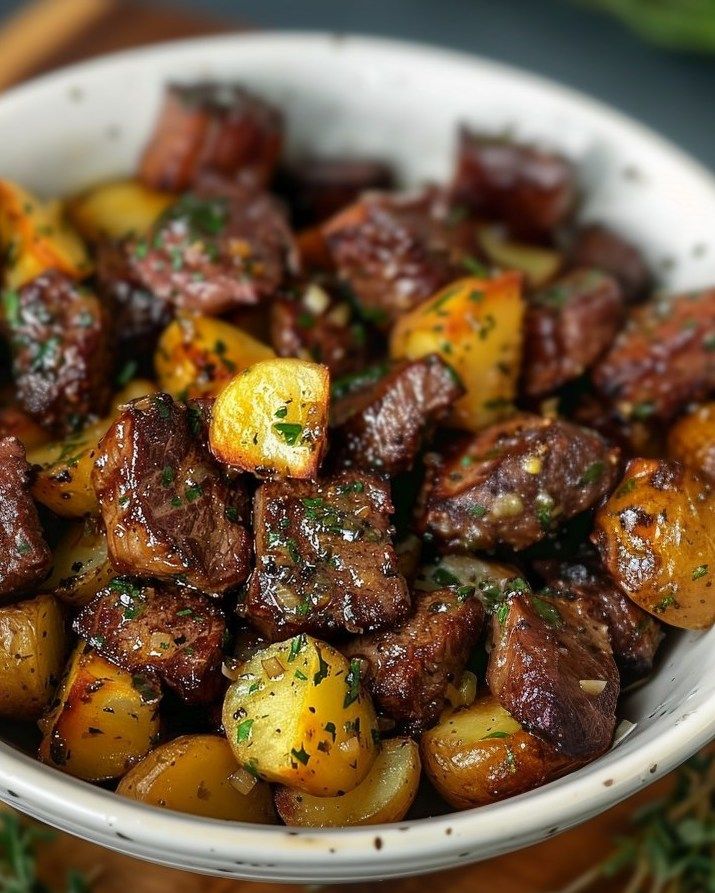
(104, 722)
(475, 325)
(539, 265)
(63, 482)
(480, 754)
(200, 355)
(271, 419)
(692, 440)
(384, 795)
(116, 210)
(193, 774)
(80, 565)
(297, 715)
(655, 536)
(35, 238)
(33, 648)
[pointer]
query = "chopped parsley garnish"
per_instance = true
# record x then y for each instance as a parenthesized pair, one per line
(476, 511)
(281, 412)
(301, 755)
(167, 476)
(243, 730)
(323, 668)
(192, 492)
(127, 372)
(475, 266)
(592, 474)
(443, 577)
(700, 571)
(297, 644)
(330, 729)
(291, 432)
(549, 613)
(496, 735)
(352, 681)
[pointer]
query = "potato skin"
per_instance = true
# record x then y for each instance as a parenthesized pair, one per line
(199, 355)
(480, 754)
(271, 419)
(33, 647)
(655, 538)
(103, 722)
(298, 715)
(475, 325)
(691, 440)
(191, 774)
(80, 566)
(383, 796)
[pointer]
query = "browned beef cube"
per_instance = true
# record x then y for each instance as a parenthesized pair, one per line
(568, 325)
(532, 191)
(603, 249)
(381, 425)
(25, 559)
(139, 316)
(407, 668)
(663, 358)
(174, 632)
(60, 343)
(217, 248)
(396, 251)
(168, 511)
(552, 668)
(634, 634)
(317, 188)
(324, 558)
(317, 327)
(208, 126)
(514, 482)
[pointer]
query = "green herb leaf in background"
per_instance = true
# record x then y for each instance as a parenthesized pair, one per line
(676, 24)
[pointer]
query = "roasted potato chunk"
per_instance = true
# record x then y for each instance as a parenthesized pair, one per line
(297, 715)
(655, 537)
(199, 355)
(210, 127)
(480, 754)
(105, 720)
(324, 558)
(475, 325)
(384, 795)
(117, 210)
(691, 440)
(33, 648)
(25, 557)
(80, 564)
(193, 774)
(36, 238)
(271, 419)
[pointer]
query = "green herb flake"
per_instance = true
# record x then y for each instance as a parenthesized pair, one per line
(243, 730)
(323, 668)
(291, 432)
(192, 492)
(443, 577)
(549, 613)
(297, 644)
(477, 511)
(700, 571)
(281, 412)
(330, 729)
(301, 755)
(592, 474)
(167, 476)
(495, 735)
(352, 681)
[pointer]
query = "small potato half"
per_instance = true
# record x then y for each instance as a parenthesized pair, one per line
(475, 325)
(655, 536)
(33, 648)
(81, 566)
(104, 721)
(385, 794)
(199, 355)
(480, 754)
(691, 440)
(117, 209)
(271, 419)
(298, 715)
(193, 774)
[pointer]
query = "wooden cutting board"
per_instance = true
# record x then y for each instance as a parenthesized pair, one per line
(51, 33)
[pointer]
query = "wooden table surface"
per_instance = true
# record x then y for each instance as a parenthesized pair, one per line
(51, 33)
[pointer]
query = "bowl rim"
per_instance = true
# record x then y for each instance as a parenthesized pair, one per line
(408, 847)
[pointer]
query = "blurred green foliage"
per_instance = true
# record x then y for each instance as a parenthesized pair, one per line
(676, 24)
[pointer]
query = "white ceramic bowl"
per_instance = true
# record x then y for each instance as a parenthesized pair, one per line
(369, 96)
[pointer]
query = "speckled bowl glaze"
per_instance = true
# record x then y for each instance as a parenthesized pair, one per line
(355, 95)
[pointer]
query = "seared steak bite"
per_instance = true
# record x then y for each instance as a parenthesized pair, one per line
(663, 358)
(317, 327)
(381, 425)
(25, 559)
(60, 344)
(551, 666)
(514, 482)
(168, 511)
(317, 188)
(530, 190)
(601, 248)
(634, 634)
(407, 668)
(324, 558)
(396, 251)
(568, 325)
(171, 631)
(222, 246)
(210, 127)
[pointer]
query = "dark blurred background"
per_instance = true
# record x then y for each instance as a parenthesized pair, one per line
(571, 41)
